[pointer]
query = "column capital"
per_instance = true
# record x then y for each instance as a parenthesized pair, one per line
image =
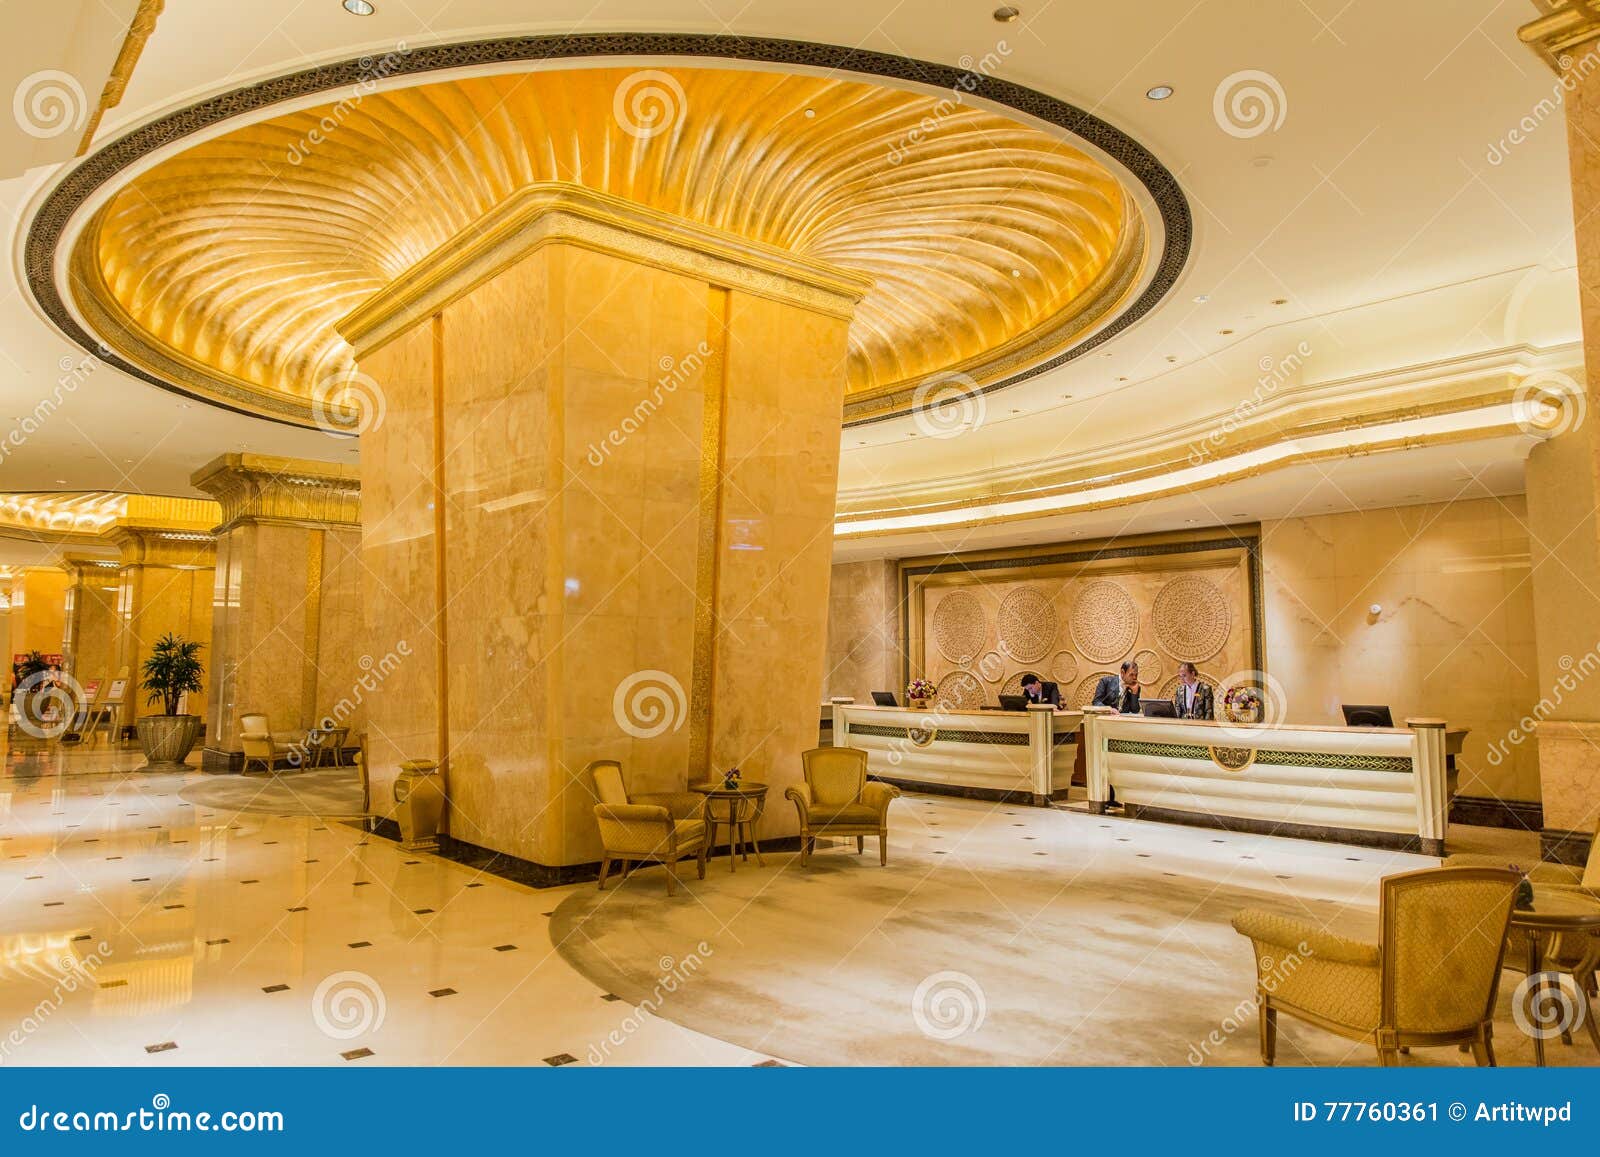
(1566, 26)
(265, 488)
(190, 547)
(83, 568)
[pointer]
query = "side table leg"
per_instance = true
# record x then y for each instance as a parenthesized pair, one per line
(1534, 986)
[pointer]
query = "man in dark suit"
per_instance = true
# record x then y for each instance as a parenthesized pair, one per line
(1193, 699)
(1121, 693)
(1039, 692)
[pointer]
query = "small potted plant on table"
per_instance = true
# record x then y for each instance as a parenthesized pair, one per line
(172, 670)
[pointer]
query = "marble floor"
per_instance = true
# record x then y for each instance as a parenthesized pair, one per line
(149, 920)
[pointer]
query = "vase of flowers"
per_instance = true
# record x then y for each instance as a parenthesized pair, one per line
(731, 778)
(919, 691)
(1242, 703)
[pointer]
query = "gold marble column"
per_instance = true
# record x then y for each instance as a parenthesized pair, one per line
(163, 584)
(1562, 479)
(618, 432)
(38, 612)
(286, 609)
(91, 618)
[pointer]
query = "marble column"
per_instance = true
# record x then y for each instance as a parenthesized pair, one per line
(599, 506)
(91, 618)
(286, 609)
(1562, 478)
(38, 611)
(163, 585)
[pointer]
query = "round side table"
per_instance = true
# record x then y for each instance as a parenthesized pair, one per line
(1559, 913)
(742, 806)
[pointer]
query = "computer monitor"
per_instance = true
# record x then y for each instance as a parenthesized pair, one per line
(1158, 708)
(1367, 715)
(1013, 702)
(884, 699)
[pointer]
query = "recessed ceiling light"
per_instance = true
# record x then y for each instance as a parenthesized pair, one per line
(1224, 332)
(1159, 92)
(1016, 273)
(1172, 357)
(1280, 301)
(1202, 298)
(811, 112)
(1006, 14)
(359, 7)
(61, 481)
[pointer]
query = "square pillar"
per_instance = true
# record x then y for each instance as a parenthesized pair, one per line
(91, 618)
(598, 489)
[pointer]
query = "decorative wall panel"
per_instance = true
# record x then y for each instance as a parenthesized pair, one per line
(1105, 622)
(1191, 618)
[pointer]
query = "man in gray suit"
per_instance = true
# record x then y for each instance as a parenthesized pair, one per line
(1121, 693)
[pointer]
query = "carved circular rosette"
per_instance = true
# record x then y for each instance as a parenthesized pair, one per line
(1149, 665)
(1064, 667)
(959, 627)
(959, 691)
(1026, 625)
(1083, 694)
(1105, 621)
(1191, 618)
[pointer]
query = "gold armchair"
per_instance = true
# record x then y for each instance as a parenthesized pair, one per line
(1431, 981)
(837, 800)
(664, 830)
(260, 745)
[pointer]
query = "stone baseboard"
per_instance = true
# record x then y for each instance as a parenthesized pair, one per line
(1558, 846)
(1484, 811)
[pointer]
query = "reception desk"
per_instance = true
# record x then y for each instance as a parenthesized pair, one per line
(1009, 756)
(1380, 786)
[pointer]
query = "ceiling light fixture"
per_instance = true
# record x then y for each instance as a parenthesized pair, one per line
(1280, 301)
(811, 112)
(1006, 14)
(1159, 92)
(1202, 298)
(359, 7)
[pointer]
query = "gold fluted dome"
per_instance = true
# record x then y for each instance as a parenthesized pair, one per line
(990, 244)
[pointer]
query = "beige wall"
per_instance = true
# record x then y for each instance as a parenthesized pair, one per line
(1455, 638)
(863, 630)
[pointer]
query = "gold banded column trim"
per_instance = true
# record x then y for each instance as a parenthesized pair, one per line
(310, 669)
(440, 553)
(713, 427)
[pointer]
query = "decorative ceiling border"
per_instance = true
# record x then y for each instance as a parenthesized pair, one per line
(78, 186)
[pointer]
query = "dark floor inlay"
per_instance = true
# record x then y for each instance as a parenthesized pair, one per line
(275, 988)
(113, 983)
(298, 908)
(356, 1054)
(84, 936)
(164, 1047)
(441, 992)
(421, 911)
(475, 885)
(171, 907)
(767, 1064)
(249, 881)
(609, 996)
(224, 940)
(140, 880)
(561, 1059)
(359, 944)
(505, 947)
(54, 903)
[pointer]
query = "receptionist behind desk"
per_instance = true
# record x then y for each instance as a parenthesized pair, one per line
(1036, 691)
(1120, 692)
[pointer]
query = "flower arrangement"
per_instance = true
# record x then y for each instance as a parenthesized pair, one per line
(731, 778)
(920, 689)
(1242, 703)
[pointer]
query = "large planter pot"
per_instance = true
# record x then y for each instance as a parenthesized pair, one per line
(167, 740)
(419, 804)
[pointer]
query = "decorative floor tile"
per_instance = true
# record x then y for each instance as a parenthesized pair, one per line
(356, 1054)
(276, 988)
(442, 992)
(561, 1059)
(165, 1046)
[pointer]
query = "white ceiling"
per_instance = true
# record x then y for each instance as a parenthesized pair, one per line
(1376, 188)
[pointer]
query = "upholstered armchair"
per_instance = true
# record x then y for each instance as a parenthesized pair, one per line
(1542, 875)
(837, 800)
(260, 745)
(1430, 981)
(662, 828)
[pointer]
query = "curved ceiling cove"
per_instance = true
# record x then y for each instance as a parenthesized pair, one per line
(995, 248)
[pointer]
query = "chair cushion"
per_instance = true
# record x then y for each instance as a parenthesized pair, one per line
(851, 814)
(689, 831)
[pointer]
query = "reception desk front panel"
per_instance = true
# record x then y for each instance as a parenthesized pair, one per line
(1385, 787)
(1015, 756)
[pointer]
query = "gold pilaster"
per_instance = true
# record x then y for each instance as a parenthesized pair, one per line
(708, 546)
(139, 30)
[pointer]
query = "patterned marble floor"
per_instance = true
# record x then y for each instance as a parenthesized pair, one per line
(141, 927)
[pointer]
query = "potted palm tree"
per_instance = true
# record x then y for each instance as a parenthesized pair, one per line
(30, 682)
(172, 670)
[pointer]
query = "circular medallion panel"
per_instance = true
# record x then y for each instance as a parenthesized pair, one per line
(1064, 667)
(1191, 618)
(959, 691)
(1027, 625)
(1083, 694)
(1105, 621)
(959, 629)
(1149, 665)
